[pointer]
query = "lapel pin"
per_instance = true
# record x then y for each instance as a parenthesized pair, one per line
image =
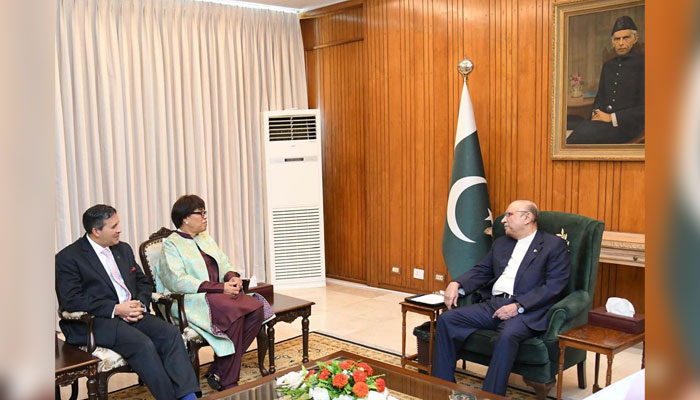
(535, 251)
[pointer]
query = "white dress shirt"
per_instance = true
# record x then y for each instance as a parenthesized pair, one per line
(506, 282)
(121, 292)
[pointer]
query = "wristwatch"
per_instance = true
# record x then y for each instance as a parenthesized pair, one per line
(521, 309)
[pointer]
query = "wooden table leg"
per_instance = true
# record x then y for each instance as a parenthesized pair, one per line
(431, 343)
(562, 347)
(271, 346)
(305, 337)
(403, 338)
(92, 383)
(263, 344)
(597, 367)
(608, 376)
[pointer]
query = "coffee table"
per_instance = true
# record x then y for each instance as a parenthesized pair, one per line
(402, 383)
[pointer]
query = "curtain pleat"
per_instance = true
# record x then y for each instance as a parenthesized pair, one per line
(160, 98)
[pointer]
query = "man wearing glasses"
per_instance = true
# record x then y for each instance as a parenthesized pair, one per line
(517, 282)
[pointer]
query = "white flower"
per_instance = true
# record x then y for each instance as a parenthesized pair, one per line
(374, 395)
(319, 394)
(292, 380)
(345, 397)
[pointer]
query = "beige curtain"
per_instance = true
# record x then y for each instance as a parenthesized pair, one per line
(160, 98)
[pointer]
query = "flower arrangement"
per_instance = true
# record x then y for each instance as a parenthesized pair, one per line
(341, 380)
(576, 82)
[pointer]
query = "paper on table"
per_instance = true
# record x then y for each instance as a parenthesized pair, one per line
(253, 282)
(431, 299)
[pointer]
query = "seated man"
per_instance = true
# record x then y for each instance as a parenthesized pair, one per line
(99, 275)
(519, 280)
(618, 108)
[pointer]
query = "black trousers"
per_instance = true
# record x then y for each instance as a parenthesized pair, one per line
(155, 350)
(598, 132)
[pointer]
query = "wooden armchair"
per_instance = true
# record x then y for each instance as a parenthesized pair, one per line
(111, 362)
(537, 360)
(150, 254)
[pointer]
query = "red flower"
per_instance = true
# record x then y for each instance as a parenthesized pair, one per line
(340, 380)
(359, 376)
(381, 385)
(308, 374)
(329, 362)
(366, 368)
(324, 374)
(360, 389)
(347, 364)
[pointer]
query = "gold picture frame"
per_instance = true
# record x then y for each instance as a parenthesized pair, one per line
(582, 44)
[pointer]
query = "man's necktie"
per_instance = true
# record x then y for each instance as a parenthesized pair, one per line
(115, 271)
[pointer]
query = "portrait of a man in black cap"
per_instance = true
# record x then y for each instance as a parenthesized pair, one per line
(617, 116)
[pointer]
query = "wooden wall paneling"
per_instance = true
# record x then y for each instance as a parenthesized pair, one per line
(335, 71)
(439, 97)
(632, 198)
(411, 97)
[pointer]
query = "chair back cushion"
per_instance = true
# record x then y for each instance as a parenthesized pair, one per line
(150, 253)
(583, 235)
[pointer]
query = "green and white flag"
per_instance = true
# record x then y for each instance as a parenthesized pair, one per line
(464, 242)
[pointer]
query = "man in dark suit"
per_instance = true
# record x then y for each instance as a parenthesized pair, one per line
(520, 278)
(99, 275)
(618, 108)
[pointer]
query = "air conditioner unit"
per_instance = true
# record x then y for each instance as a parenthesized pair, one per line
(294, 240)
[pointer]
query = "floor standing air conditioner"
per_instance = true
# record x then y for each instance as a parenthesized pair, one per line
(294, 240)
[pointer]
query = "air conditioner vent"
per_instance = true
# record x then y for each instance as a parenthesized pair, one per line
(297, 245)
(292, 127)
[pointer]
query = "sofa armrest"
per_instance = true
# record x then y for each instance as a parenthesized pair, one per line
(87, 319)
(563, 314)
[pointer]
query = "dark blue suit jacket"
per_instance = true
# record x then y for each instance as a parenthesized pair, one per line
(541, 277)
(82, 284)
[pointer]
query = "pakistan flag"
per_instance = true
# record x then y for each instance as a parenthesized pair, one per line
(464, 242)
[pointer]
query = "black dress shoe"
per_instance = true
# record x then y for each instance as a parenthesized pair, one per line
(214, 381)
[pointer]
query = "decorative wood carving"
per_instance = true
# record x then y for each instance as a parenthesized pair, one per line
(623, 248)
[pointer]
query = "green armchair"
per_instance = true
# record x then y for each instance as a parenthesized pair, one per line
(537, 360)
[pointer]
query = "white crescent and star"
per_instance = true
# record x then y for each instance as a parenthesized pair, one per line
(455, 192)
(466, 126)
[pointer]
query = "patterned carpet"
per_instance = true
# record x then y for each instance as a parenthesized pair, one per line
(288, 354)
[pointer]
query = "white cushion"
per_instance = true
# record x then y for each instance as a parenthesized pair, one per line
(190, 335)
(109, 359)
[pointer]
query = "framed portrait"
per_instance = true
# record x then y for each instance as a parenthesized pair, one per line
(598, 80)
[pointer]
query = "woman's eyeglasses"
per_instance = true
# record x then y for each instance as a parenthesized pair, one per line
(202, 213)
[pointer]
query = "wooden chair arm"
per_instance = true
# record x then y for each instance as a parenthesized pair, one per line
(87, 319)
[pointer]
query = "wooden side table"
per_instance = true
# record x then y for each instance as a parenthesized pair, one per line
(286, 309)
(599, 340)
(73, 363)
(432, 312)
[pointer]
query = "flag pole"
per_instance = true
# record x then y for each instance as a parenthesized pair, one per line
(465, 68)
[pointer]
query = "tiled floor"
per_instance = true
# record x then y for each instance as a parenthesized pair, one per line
(373, 316)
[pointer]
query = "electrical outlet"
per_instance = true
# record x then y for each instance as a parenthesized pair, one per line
(395, 269)
(418, 273)
(440, 277)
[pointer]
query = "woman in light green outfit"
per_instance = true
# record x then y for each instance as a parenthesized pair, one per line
(217, 308)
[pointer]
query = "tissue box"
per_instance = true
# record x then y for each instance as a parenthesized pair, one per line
(600, 317)
(266, 290)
